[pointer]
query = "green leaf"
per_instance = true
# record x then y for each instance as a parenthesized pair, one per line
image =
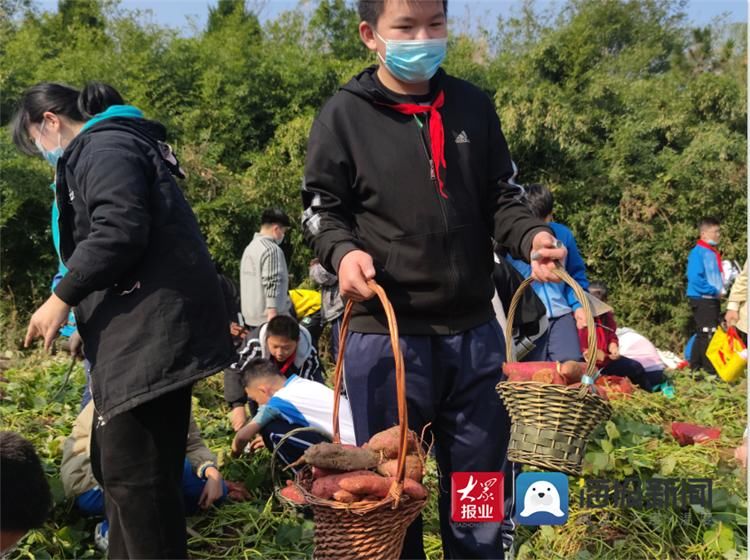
(607, 446)
(612, 431)
(726, 538)
(600, 461)
(667, 465)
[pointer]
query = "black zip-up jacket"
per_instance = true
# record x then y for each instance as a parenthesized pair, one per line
(368, 185)
(146, 294)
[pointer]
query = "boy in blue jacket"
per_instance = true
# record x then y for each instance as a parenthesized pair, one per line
(704, 289)
(564, 311)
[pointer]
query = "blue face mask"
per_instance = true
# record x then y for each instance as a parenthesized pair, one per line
(712, 242)
(413, 61)
(52, 156)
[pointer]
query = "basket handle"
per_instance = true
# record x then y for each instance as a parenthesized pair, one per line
(580, 295)
(400, 378)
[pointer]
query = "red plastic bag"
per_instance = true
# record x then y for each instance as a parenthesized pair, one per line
(614, 386)
(687, 434)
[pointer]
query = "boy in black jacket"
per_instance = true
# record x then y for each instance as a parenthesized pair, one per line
(405, 183)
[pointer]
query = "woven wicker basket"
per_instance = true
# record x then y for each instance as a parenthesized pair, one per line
(552, 423)
(365, 530)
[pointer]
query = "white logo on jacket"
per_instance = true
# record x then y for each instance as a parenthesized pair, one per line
(463, 138)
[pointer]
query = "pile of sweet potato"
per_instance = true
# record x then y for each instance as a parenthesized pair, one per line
(567, 373)
(351, 474)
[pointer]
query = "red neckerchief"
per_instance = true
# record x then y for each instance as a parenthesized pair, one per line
(283, 368)
(437, 136)
(705, 245)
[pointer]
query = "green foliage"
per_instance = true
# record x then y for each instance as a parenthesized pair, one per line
(635, 442)
(636, 121)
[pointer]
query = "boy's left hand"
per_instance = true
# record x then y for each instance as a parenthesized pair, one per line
(546, 251)
(614, 351)
(213, 489)
(580, 317)
(46, 321)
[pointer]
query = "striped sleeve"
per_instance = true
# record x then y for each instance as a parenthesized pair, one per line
(312, 369)
(234, 392)
(270, 271)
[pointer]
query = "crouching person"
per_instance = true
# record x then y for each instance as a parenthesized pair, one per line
(285, 405)
(289, 348)
(202, 484)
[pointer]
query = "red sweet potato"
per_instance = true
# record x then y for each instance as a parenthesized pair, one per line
(520, 376)
(386, 443)
(292, 493)
(414, 468)
(379, 486)
(317, 472)
(412, 488)
(327, 486)
(367, 484)
(345, 497)
(572, 371)
(548, 376)
(525, 369)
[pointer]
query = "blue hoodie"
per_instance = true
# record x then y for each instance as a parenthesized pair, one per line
(558, 298)
(703, 274)
(574, 264)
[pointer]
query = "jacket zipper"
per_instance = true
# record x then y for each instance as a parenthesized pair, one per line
(436, 187)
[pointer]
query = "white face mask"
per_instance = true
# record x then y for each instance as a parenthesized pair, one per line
(279, 240)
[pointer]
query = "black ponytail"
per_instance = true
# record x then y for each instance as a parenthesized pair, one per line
(96, 97)
(63, 100)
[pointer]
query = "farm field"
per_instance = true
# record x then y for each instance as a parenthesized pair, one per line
(635, 443)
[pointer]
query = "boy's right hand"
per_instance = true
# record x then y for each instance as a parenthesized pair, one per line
(236, 448)
(257, 443)
(731, 317)
(76, 345)
(238, 418)
(355, 269)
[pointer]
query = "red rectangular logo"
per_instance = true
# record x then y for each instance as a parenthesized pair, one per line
(477, 497)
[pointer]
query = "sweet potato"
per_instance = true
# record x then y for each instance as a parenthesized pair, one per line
(337, 457)
(345, 497)
(327, 486)
(386, 442)
(520, 376)
(379, 486)
(293, 494)
(367, 484)
(572, 371)
(548, 376)
(317, 472)
(414, 468)
(412, 488)
(525, 368)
